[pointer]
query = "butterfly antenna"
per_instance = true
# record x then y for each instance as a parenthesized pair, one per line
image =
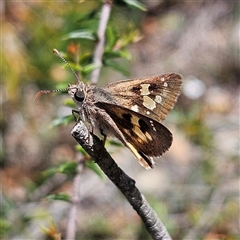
(57, 90)
(48, 91)
(60, 55)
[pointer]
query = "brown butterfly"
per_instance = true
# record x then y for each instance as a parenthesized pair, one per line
(131, 110)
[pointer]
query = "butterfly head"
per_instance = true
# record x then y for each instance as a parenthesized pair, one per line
(77, 92)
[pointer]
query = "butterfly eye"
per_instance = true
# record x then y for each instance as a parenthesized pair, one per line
(79, 95)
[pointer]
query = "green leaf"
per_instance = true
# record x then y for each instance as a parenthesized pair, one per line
(111, 37)
(81, 150)
(136, 4)
(114, 143)
(90, 163)
(62, 86)
(49, 172)
(95, 168)
(85, 58)
(59, 196)
(117, 66)
(89, 68)
(69, 103)
(68, 168)
(117, 54)
(62, 121)
(80, 34)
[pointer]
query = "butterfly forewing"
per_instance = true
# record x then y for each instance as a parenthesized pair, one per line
(153, 96)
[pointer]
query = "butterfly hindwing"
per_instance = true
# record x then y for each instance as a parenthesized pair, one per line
(143, 135)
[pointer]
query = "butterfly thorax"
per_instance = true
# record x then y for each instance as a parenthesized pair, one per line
(86, 96)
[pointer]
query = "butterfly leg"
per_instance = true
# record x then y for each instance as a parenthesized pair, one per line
(76, 116)
(104, 136)
(90, 131)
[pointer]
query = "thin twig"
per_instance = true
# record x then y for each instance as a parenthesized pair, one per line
(71, 229)
(99, 50)
(94, 147)
(46, 188)
(97, 59)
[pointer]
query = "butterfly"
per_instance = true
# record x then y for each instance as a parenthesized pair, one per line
(131, 110)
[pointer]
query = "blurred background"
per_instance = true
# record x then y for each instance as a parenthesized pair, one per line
(194, 187)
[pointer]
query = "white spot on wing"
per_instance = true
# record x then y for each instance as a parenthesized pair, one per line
(135, 108)
(149, 103)
(165, 84)
(144, 89)
(152, 124)
(158, 99)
